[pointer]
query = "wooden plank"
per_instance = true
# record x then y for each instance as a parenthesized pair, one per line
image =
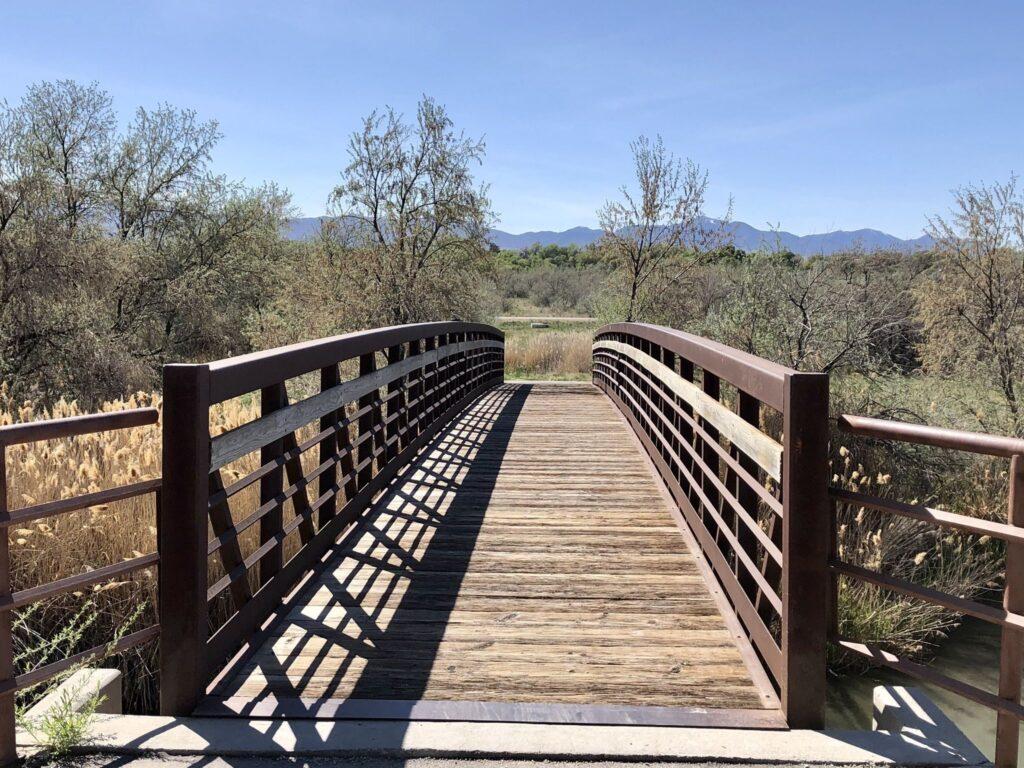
(526, 556)
(747, 437)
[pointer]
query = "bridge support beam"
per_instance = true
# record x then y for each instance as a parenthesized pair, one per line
(805, 545)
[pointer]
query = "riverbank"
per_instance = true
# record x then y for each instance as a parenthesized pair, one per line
(970, 654)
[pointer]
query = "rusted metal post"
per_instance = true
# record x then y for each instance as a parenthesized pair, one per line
(395, 405)
(1011, 654)
(712, 388)
(749, 409)
(183, 538)
(8, 747)
(805, 548)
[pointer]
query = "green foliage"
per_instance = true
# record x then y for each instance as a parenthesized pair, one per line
(64, 726)
(972, 304)
(551, 255)
(119, 249)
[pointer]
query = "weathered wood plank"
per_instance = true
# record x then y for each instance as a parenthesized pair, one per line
(526, 556)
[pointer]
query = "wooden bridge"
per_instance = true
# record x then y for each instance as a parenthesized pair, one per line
(400, 534)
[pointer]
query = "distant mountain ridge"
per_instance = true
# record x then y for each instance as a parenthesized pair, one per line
(746, 237)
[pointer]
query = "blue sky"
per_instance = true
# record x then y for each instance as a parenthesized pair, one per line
(814, 116)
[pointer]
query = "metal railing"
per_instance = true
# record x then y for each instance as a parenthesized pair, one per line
(363, 431)
(1010, 618)
(52, 429)
(754, 497)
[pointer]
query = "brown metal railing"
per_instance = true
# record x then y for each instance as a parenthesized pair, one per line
(1010, 618)
(15, 434)
(412, 380)
(741, 444)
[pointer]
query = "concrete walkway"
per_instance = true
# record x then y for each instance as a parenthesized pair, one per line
(170, 761)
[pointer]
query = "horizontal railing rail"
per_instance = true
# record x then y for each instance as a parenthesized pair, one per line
(321, 458)
(52, 429)
(1010, 617)
(741, 444)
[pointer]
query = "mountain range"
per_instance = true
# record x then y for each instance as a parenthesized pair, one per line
(746, 237)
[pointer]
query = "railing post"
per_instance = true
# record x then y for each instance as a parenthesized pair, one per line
(272, 398)
(182, 537)
(805, 533)
(8, 746)
(395, 406)
(329, 378)
(1011, 652)
(367, 365)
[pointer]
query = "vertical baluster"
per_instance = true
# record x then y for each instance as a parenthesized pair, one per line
(272, 398)
(395, 405)
(329, 378)
(749, 409)
(686, 370)
(712, 388)
(367, 365)
(669, 360)
(413, 395)
(429, 382)
(1011, 653)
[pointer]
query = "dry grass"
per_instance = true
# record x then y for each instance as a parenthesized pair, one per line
(532, 354)
(960, 564)
(57, 547)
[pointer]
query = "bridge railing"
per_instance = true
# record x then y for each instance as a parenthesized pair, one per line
(326, 456)
(1009, 618)
(55, 429)
(742, 445)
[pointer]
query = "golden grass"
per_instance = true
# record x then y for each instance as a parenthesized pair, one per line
(964, 565)
(74, 543)
(548, 354)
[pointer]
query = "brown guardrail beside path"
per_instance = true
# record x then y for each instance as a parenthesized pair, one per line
(365, 430)
(15, 434)
(756, 502)
(1010, 617)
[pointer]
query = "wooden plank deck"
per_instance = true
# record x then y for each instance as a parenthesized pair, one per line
(527, 557)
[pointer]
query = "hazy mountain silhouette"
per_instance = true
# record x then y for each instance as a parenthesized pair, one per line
(744, 236)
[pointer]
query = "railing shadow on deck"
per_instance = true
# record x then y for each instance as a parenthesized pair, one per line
(411, 508)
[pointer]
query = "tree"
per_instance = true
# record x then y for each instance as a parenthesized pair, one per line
(120, 251)
(412, 216)
(972, 307)
(850, 311)
(656, 234)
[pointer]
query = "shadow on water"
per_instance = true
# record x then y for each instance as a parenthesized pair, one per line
(971, 654)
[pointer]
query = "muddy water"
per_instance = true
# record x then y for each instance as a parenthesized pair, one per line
(970, 654)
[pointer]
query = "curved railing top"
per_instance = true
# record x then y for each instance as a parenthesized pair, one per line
(235, 376)
(761, 378)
